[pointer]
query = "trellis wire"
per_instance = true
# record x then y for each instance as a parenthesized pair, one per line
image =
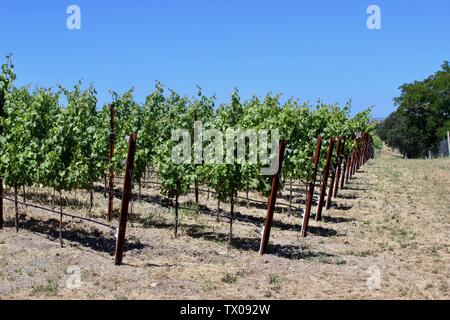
(29, 204)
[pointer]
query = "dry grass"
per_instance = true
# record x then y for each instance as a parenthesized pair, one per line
(394, 215)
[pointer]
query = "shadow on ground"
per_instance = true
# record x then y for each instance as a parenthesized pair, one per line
(252, 244)
(330, 219)
(94, 239)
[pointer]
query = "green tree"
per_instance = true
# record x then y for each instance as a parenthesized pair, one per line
(423, 114)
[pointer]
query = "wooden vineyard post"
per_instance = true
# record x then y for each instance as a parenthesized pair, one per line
(352, 164)
(126, 194)
(112, 138)
(334, 173)
(312, 183)
(16, 209)
(368, 144)
(232, 214)
(339, 169)
(326, 173)
(360, 148)
(61, 219)
(344, 171)
(1, 204)
(448, 142)
(349, 167)
(364, 149)
(355, 161)
(175, 229)
(272, 199)
(1, 180)
(367, 147)
(358, 156)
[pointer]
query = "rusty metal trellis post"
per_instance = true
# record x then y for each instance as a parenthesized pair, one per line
(334, 173)
(344, 170)
(360, 158)
(272, 199)
(16, 209)
(126, 194)
(1, 180)
(339, 168)
(61, 219)
(112, 138)
(323, 187)
(1, 204)
(448, 142)
(352, 164)
(364, 150)
(312, 183)
(349, 166)
(355, 157)
(367, 147)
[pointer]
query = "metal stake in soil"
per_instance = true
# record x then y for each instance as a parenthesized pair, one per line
(334, 174)
(272, 199)
(312, 182)
(1, 204)
(339, 169)
(126, 195)
(326, 172)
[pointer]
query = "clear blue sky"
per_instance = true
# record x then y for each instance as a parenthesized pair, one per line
(306, 49)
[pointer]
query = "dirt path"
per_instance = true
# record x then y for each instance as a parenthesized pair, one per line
(391, 224)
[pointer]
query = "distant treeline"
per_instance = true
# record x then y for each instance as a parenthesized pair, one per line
(422, 117)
